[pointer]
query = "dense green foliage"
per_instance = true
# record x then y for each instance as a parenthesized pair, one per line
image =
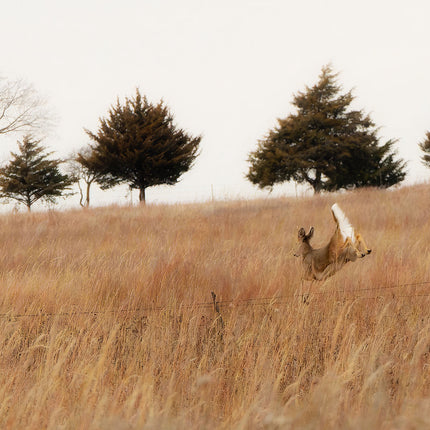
(138, 144)
(325, 144)
(31, 176)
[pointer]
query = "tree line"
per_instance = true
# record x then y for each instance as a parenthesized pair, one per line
(324, 143)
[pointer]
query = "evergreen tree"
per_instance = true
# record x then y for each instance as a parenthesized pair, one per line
(325, 144)
(425, 147)
(138, 144)
(31, 176)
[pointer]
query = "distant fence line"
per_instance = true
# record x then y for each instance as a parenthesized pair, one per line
(257, 301)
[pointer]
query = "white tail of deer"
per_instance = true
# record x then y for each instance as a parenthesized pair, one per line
(344, 246)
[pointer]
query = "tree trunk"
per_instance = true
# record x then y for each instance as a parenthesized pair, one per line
(142, 195)
(87, 200)
(317, 187)
(317, 183)
(81, 195)
(28, 203)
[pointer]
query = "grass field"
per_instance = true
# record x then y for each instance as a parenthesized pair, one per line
(106, 317)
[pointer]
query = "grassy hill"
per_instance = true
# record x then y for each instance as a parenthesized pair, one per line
(106, 317)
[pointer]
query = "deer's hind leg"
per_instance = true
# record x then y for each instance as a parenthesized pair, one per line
(341, 251)
(360, 242)
(350, 250)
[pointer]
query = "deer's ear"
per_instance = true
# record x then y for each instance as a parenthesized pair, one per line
(302, 233)
(310, 234)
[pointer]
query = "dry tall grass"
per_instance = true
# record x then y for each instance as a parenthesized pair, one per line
(99, 353)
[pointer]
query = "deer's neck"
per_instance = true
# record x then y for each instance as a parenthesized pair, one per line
(307, 249)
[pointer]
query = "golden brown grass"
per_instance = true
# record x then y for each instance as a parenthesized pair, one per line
(102, 324)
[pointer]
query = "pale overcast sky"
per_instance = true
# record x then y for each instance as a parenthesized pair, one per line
(227, 69)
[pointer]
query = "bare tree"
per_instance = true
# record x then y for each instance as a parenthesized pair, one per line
(22, 109)
(79, 171)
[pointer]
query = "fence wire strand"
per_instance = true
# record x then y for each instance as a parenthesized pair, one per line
(255, 301)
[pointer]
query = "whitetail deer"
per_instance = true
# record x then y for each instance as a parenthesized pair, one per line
(344, 246)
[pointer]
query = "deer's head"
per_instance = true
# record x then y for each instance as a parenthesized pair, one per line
(303, 242)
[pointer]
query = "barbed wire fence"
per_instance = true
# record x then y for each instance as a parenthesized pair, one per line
(346, 295)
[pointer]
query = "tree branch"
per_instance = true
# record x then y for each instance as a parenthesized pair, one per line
(21, 108)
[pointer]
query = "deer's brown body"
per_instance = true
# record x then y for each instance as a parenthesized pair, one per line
(321, 263)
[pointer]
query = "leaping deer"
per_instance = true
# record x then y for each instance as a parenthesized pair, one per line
(344, 246)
